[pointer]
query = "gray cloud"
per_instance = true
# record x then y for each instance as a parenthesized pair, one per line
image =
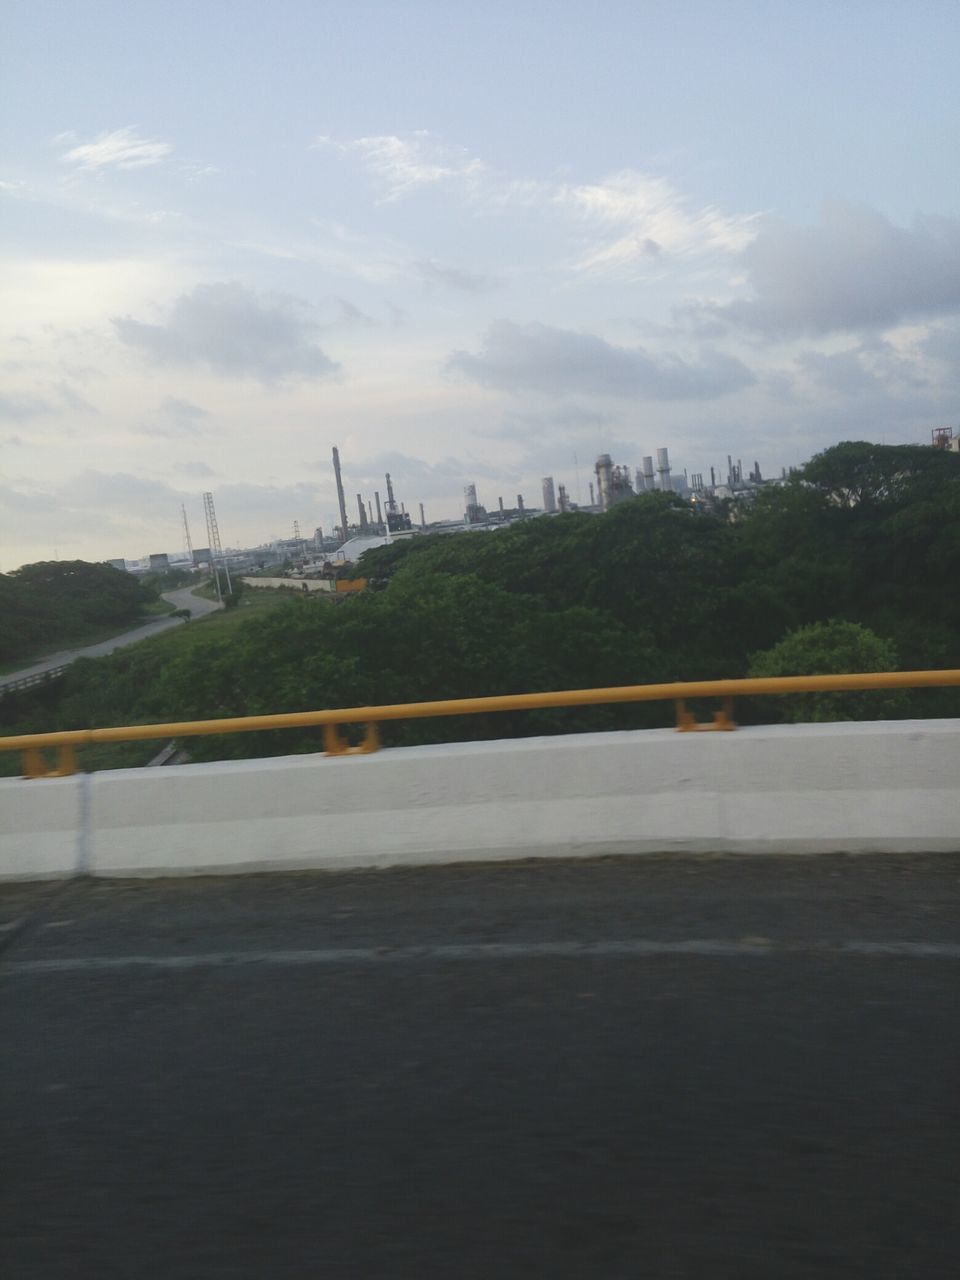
(856, 270)
(536, 357)
(943, 344)
(434, 273)
(175, 408)
(235, 332)
(414, 479)
(20, 408)
(74, 400)
(193, 469)
(843, 371)
(561, 420)
(179, 418)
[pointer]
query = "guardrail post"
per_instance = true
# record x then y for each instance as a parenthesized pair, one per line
(334, 744)
(687, 722)
(34, 765)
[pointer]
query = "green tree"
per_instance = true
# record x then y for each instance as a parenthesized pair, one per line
(831, 648)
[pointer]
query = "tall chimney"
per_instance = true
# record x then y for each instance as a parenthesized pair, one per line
(520, 510)
(500, 500)
(423, 518)
(648, 484)
(549, 497)
(592, 500)
(391, 504)
(363, 514)
(344, 528)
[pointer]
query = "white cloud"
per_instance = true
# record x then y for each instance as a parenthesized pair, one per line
(121, 149)
(649, 218)
(402, 165)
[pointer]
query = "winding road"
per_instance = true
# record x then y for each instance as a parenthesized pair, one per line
(180, 599)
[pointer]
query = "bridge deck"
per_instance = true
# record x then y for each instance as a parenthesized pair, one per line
(661, 1068)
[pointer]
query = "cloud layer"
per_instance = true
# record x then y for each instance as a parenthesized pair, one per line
(235, 332)
(855, 270)
(537, 357)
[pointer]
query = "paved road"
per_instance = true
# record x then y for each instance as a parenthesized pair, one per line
(181, 599)
(742, 1068)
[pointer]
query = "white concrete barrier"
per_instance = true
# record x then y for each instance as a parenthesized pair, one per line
(43, 827)
(876, 787)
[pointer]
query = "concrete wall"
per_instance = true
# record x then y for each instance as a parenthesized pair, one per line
(880, 787)
(293, 584)
(43, 827)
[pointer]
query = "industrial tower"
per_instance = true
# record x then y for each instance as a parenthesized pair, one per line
(216, 551)
(187, 540)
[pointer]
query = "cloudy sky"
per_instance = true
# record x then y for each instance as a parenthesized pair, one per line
(462, 242)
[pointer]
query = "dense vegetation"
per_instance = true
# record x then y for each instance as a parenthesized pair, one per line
(56, 602)
(848, 566)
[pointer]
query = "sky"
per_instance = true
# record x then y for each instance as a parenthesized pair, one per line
(463, 243)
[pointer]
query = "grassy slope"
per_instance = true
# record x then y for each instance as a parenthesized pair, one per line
(92, 635)
(179, 640)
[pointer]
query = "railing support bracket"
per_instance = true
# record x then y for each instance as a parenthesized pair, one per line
(723, 719)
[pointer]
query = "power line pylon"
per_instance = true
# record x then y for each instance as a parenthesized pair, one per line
(216, 551)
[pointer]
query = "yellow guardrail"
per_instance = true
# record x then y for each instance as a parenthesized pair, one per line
(66, 741)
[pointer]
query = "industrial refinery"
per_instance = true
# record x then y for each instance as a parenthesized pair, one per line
(381, 517)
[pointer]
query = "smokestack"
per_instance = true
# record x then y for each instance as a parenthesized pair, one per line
(500, 500)
(370, 510)
(391, 504)
(592, 501)
(520, 510)
(344, 530)
(379, 512)
(549, 498)
(713, 478)
(423, 518)
(363, 514)
(648, 484)
(663, 467)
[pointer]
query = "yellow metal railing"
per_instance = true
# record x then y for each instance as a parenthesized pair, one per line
(66, 741)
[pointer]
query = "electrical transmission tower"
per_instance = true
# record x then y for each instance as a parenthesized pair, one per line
(216, 551)
(187, 541)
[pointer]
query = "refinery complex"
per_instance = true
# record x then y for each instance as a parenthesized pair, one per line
(370, 520)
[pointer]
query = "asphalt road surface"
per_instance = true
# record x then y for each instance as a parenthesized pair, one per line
(181, 599)
(738, 1067)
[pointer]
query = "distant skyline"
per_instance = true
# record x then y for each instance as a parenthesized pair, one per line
(462, 244)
